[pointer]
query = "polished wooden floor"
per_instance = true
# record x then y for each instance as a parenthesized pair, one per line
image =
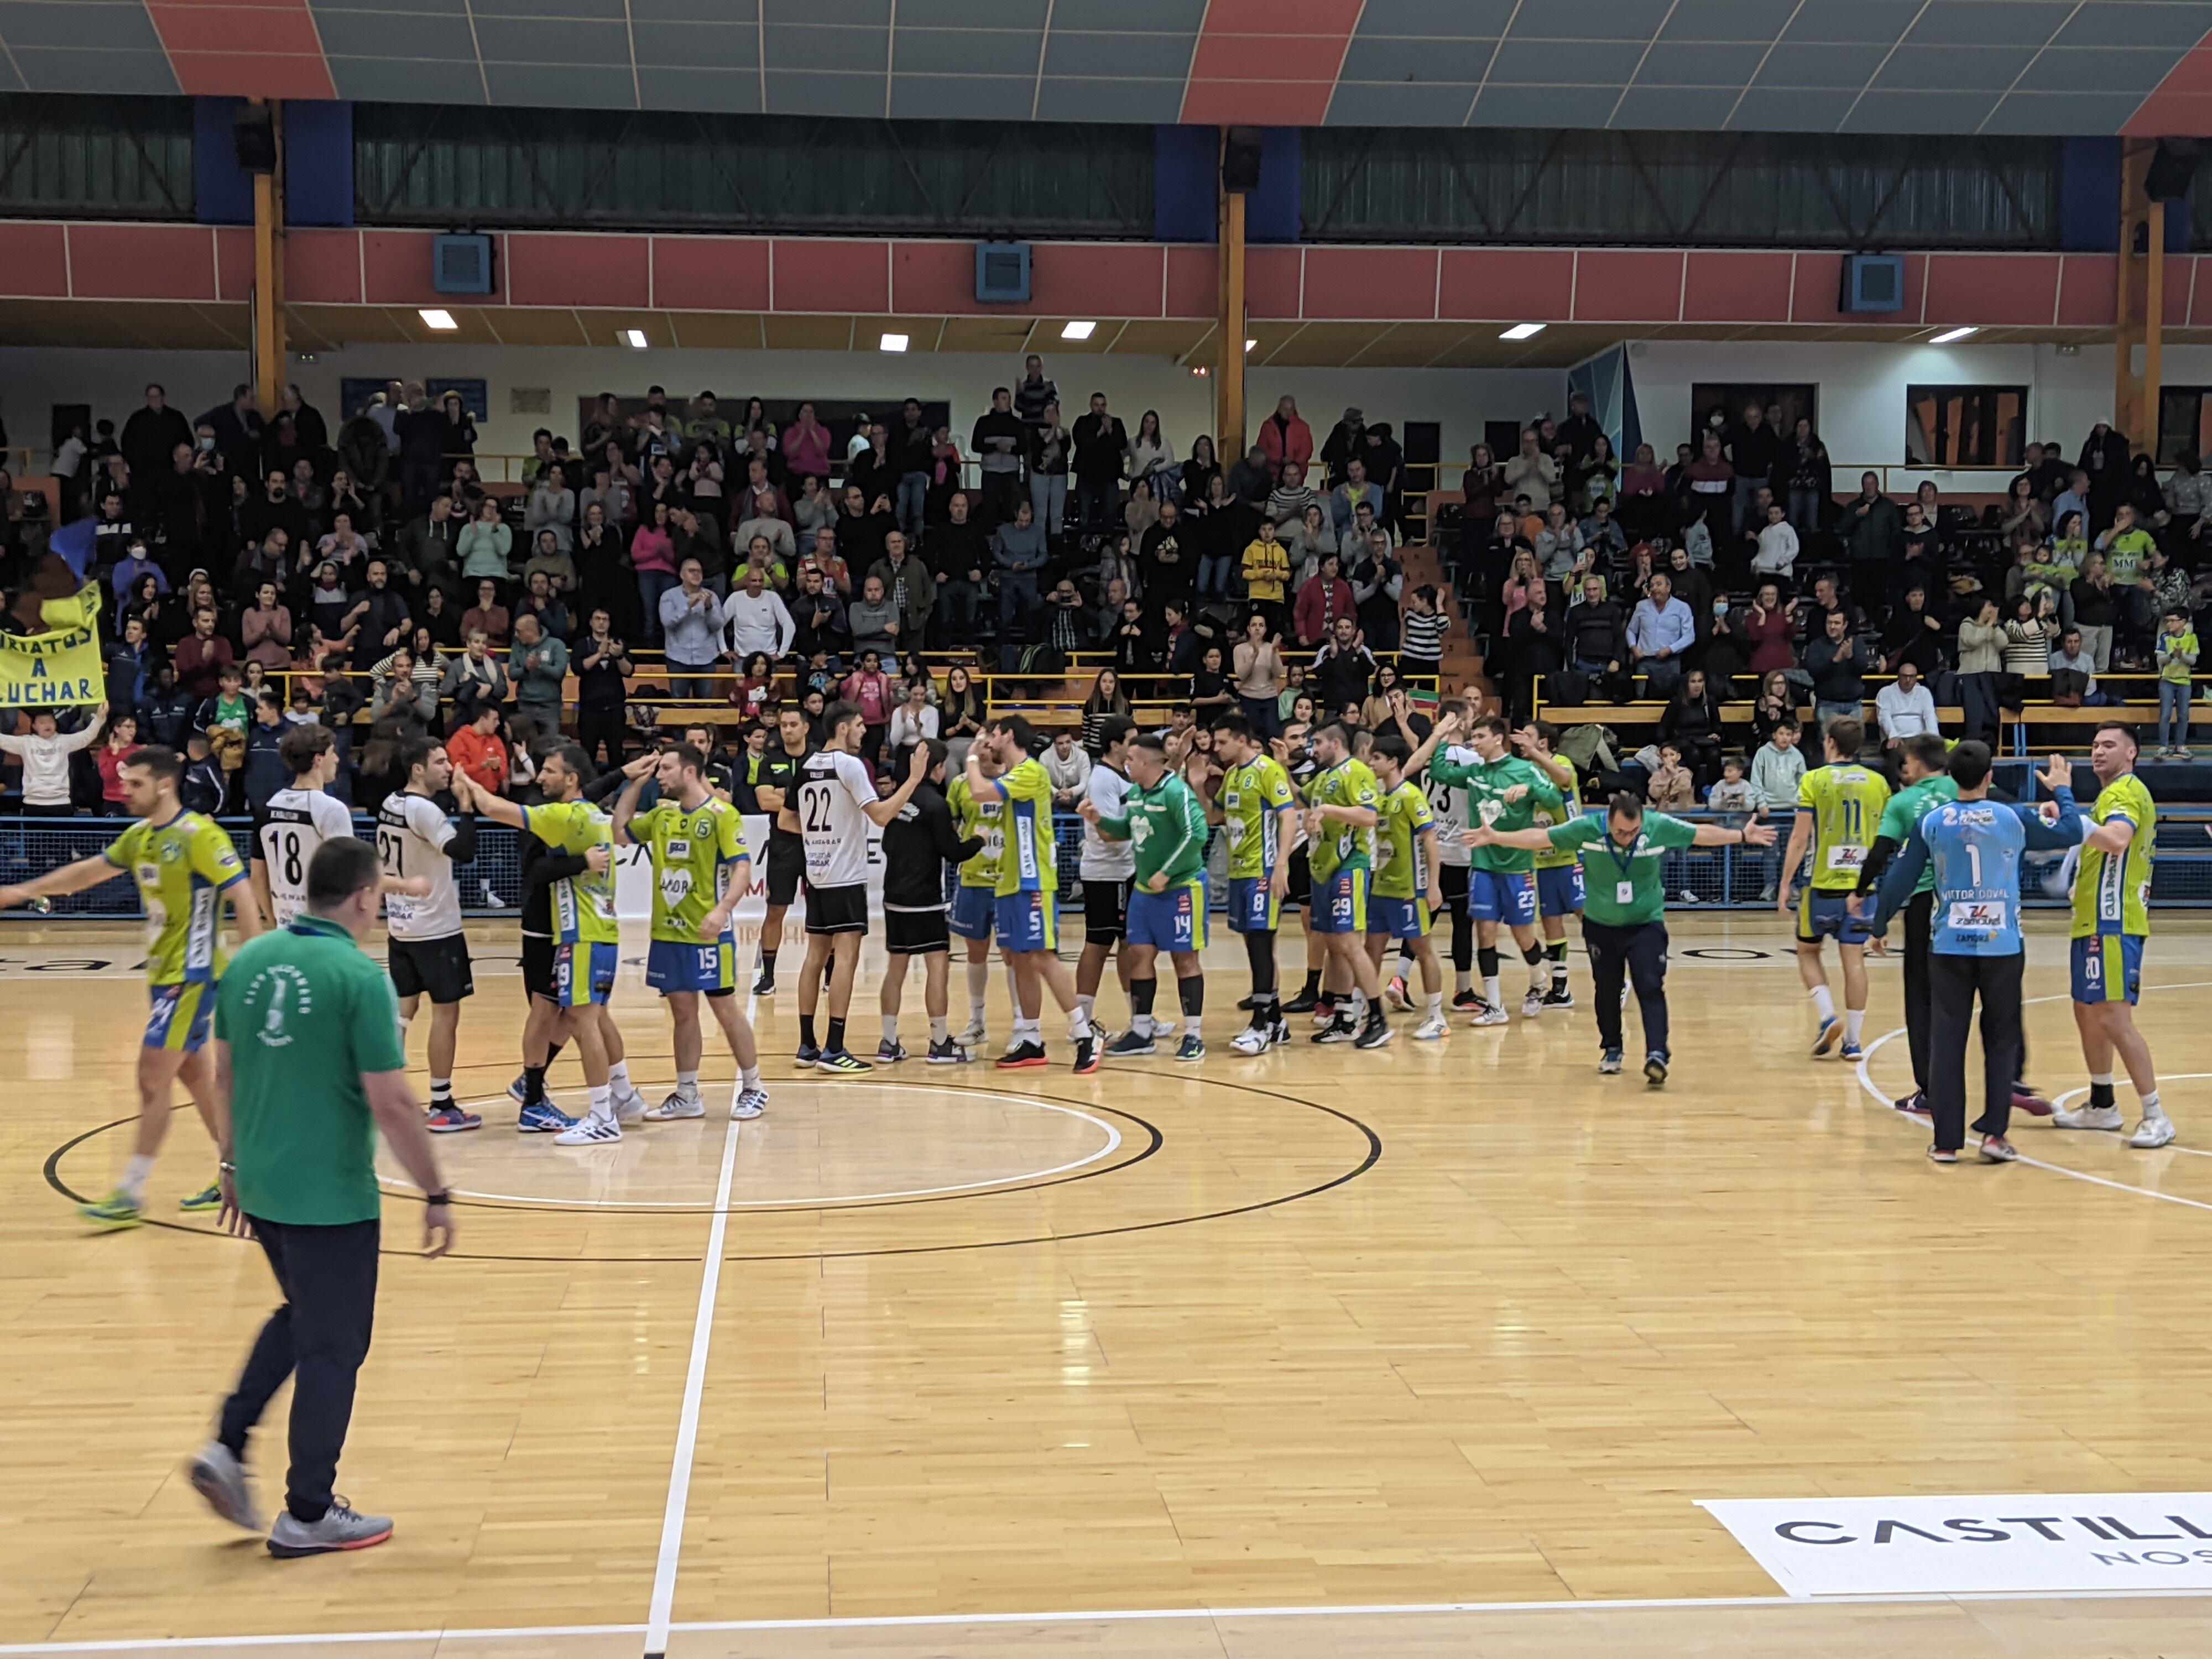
(1456, 1325)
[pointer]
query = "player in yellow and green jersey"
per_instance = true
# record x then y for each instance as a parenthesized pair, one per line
(1839, 808)
(2112, 920)
(975, 900)
(1409, 890)
(1028, 886)
(584, 935)
(1343, 805)
(1255, 805)
(701, 870)
(185, 868)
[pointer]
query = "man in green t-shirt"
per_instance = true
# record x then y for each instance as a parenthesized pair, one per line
(1926, 766)
(1503, 793)
(308, 1067)
(1625, 908)
(1165, 823)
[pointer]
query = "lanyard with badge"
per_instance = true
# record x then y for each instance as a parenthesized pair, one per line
(1624, 889)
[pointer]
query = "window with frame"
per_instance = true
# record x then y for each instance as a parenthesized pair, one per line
(2185, 422)
(1948, 425)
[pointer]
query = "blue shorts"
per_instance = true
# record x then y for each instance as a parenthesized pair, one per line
(179, 1019)
(972, 909)
(1559, 890)
(670, 967)
(1174, 920)
(1026, 921)
(1340, 903)
(1824, 913)
(1253, 908)
(1506, 896)
(584, 975)
(2106, 966)
(1397, 918)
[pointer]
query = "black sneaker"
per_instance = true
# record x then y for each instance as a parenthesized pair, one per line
(1655, 1069)
(1087, 1054)
(1339, 1029)
(1023, 1057)
(764, 986)
(1244, 1004)
(842, 1061)
(808, 1054)
(1466, 1002)
(947, 1053)
(1374, 1036)
(1131, 1042)
(1193, 1046)
(1559, 996)
(1304, 1003)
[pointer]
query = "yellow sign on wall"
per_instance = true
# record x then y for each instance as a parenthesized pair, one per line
(58, 669)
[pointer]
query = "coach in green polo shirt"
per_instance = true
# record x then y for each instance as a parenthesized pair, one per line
(308, 1067)
(1625, 906)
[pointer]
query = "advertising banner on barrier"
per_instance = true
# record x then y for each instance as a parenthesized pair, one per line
(57, 669)
(633, 878)
(2035, 1543)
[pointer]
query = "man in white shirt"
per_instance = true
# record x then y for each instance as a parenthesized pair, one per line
(1905, 709)
(757, 620)
(46, 757)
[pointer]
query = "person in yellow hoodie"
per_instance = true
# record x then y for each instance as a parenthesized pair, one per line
(1268, 575)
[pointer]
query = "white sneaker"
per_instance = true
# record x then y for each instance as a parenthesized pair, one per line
(1249, 1041)
(2087, 1117)
(2156, 1130)
(678, 1105)
(594, 1130)
(493, 901)
(749, 1104)
(629, 1107)
(974, 1036)
(1395, 993)
(1491, 1016)
(1532, 1006)
(1430, 1029)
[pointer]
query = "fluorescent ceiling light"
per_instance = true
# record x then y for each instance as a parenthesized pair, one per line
(891, 342)
(1078, 330)
(1950, 335)
(1523, 331)
(440, 320)
(634, 337)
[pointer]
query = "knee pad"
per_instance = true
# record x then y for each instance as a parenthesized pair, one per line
(1486, 959)
(1533, 955)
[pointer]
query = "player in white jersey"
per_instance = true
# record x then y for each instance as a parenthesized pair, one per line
(428, 955)
(296, 822)
(830, 809)
(1107, 867)
(1449, 807)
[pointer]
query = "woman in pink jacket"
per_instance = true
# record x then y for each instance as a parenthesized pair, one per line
(652, 554)
(806, 446)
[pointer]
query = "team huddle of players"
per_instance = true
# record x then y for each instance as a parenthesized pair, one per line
(1376, 836)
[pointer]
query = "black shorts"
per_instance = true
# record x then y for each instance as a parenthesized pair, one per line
(537, 968)
(1300, 879)
(1105, 909)
(435, 968)
(914, 933)
(786, 863)
(836, 909)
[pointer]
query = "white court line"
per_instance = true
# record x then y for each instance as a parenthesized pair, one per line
(1132, 1615)
(1866, 1083)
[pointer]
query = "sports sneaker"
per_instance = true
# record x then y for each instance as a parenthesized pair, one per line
(1941, 1155)
(1995, 1149)
(1376, 1034)
(2025, 1099)
(678, 1105)
(749, 1104)
(1608, 1063)
(210, 1197)
(340, 1528)
(629, 1107)
(518, 1090)
(1395, 993)
(764, 986)
(2087, 1117)
(808, 1054)
(1131, 1043)
(543, 1119)
(1323, 1012)
(1831, 1032)
(1914, 1105)
(842, 1061)
(1559, 996)
(1253, 1040)
(1655, 1070)
(1303, 1003)
(1243, 1005)
(1490, 1016)
(974, 1036)
(593, 1129)
(2156, 1129)
(1193, 1046)
(1023, 1057)
(1851, 1051)
(1465, 1002)
(1532, 1006)
(890, 1052)
(220, 1478)
(451, 1119)
(948, 1052)
(1431, 1028)
(1337, 1030)
(1281, 1033)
